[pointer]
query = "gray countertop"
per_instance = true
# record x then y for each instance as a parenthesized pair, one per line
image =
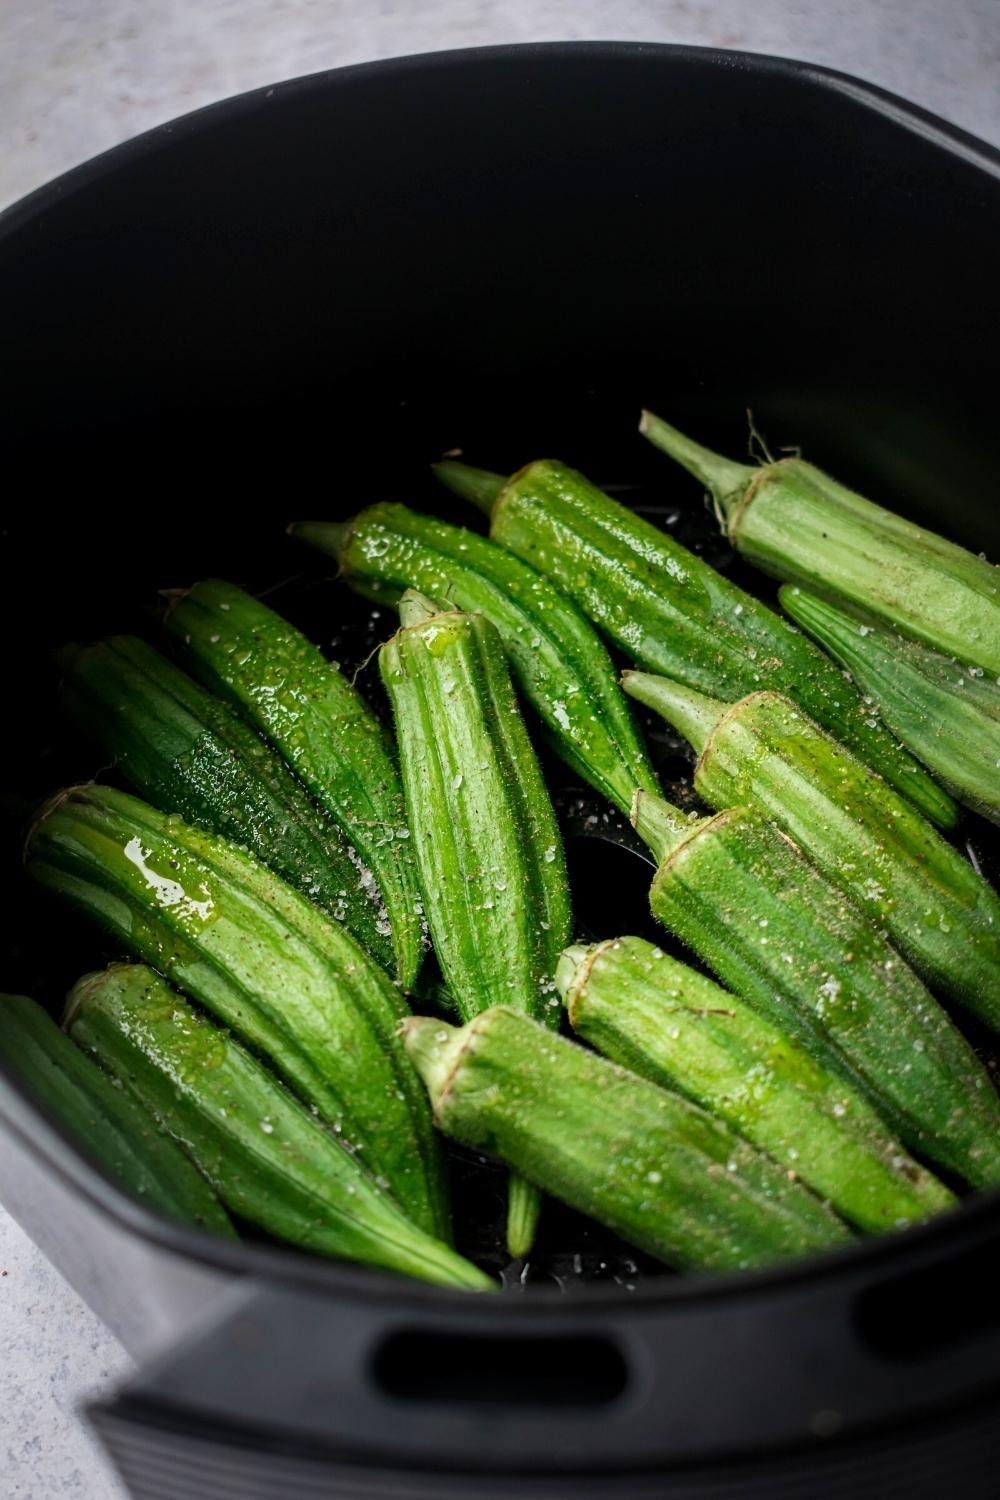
(77, 76)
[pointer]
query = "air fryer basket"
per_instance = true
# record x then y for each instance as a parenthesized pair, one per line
(289, 304)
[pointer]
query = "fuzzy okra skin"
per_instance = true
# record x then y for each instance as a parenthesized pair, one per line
(559, 665)
(114, 1130)
(796, 523)
(267, 1157)
(292, 984)
(324, 729)
(743, 897)
(671, 612)
(669, 1024)
(187, 752)
(659, 1170)
(491, 862)
(946, 712)
(764, 752)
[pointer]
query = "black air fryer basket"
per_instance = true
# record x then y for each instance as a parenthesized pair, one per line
(290, 303)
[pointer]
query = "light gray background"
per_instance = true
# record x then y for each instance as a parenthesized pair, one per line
(77, 76)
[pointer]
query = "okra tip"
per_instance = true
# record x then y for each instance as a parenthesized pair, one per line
(693, 714)
(481, 486)
(524, 1203)
(725, 480)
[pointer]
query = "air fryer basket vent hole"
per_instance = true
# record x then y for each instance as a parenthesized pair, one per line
(932, 1310)
(444, 1367)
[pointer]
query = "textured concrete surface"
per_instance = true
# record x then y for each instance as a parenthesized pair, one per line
(77, 76)
(54, 1353)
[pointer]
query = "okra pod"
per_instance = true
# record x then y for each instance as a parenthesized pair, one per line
(324, 729)
(488, 849)
(292, 984)
(670, 611)
(187, 752)
(946, 712)
(669, 1024)
(266, 1156)
(742, 896)
(796, 523)
(118, 1134)
(559, 665)
(656, 1168)
(764, 752)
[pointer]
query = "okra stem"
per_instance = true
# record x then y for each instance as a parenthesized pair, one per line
(739, 891)
(725, 480)
(693, 714)
(293, 984)
(947, 713)
(663, 1172)
(764, 752)
(675, 1027)
(801, 525)
(188, 752)
(671, 613)
(659, 824)
(485, 837)
(326, 732)
(118, 1133)
(480, 486)
(269, 1159)
(560, 666)
(435, 1051)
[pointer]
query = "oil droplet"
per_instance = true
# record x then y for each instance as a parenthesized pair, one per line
(167, 892)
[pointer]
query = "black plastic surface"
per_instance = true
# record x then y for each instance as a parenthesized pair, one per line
(290, 304)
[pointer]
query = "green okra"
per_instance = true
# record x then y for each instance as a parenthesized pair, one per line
(946, 712)
(559, 665)
(669, 1024)
(292, 984)
(656, 1168)
(743, 897)
(267, 1157)
(324, 729)
(796, 523)
(764, 752)
(187, 752)
(487, 845)
(671, 612)
(118, 1134)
